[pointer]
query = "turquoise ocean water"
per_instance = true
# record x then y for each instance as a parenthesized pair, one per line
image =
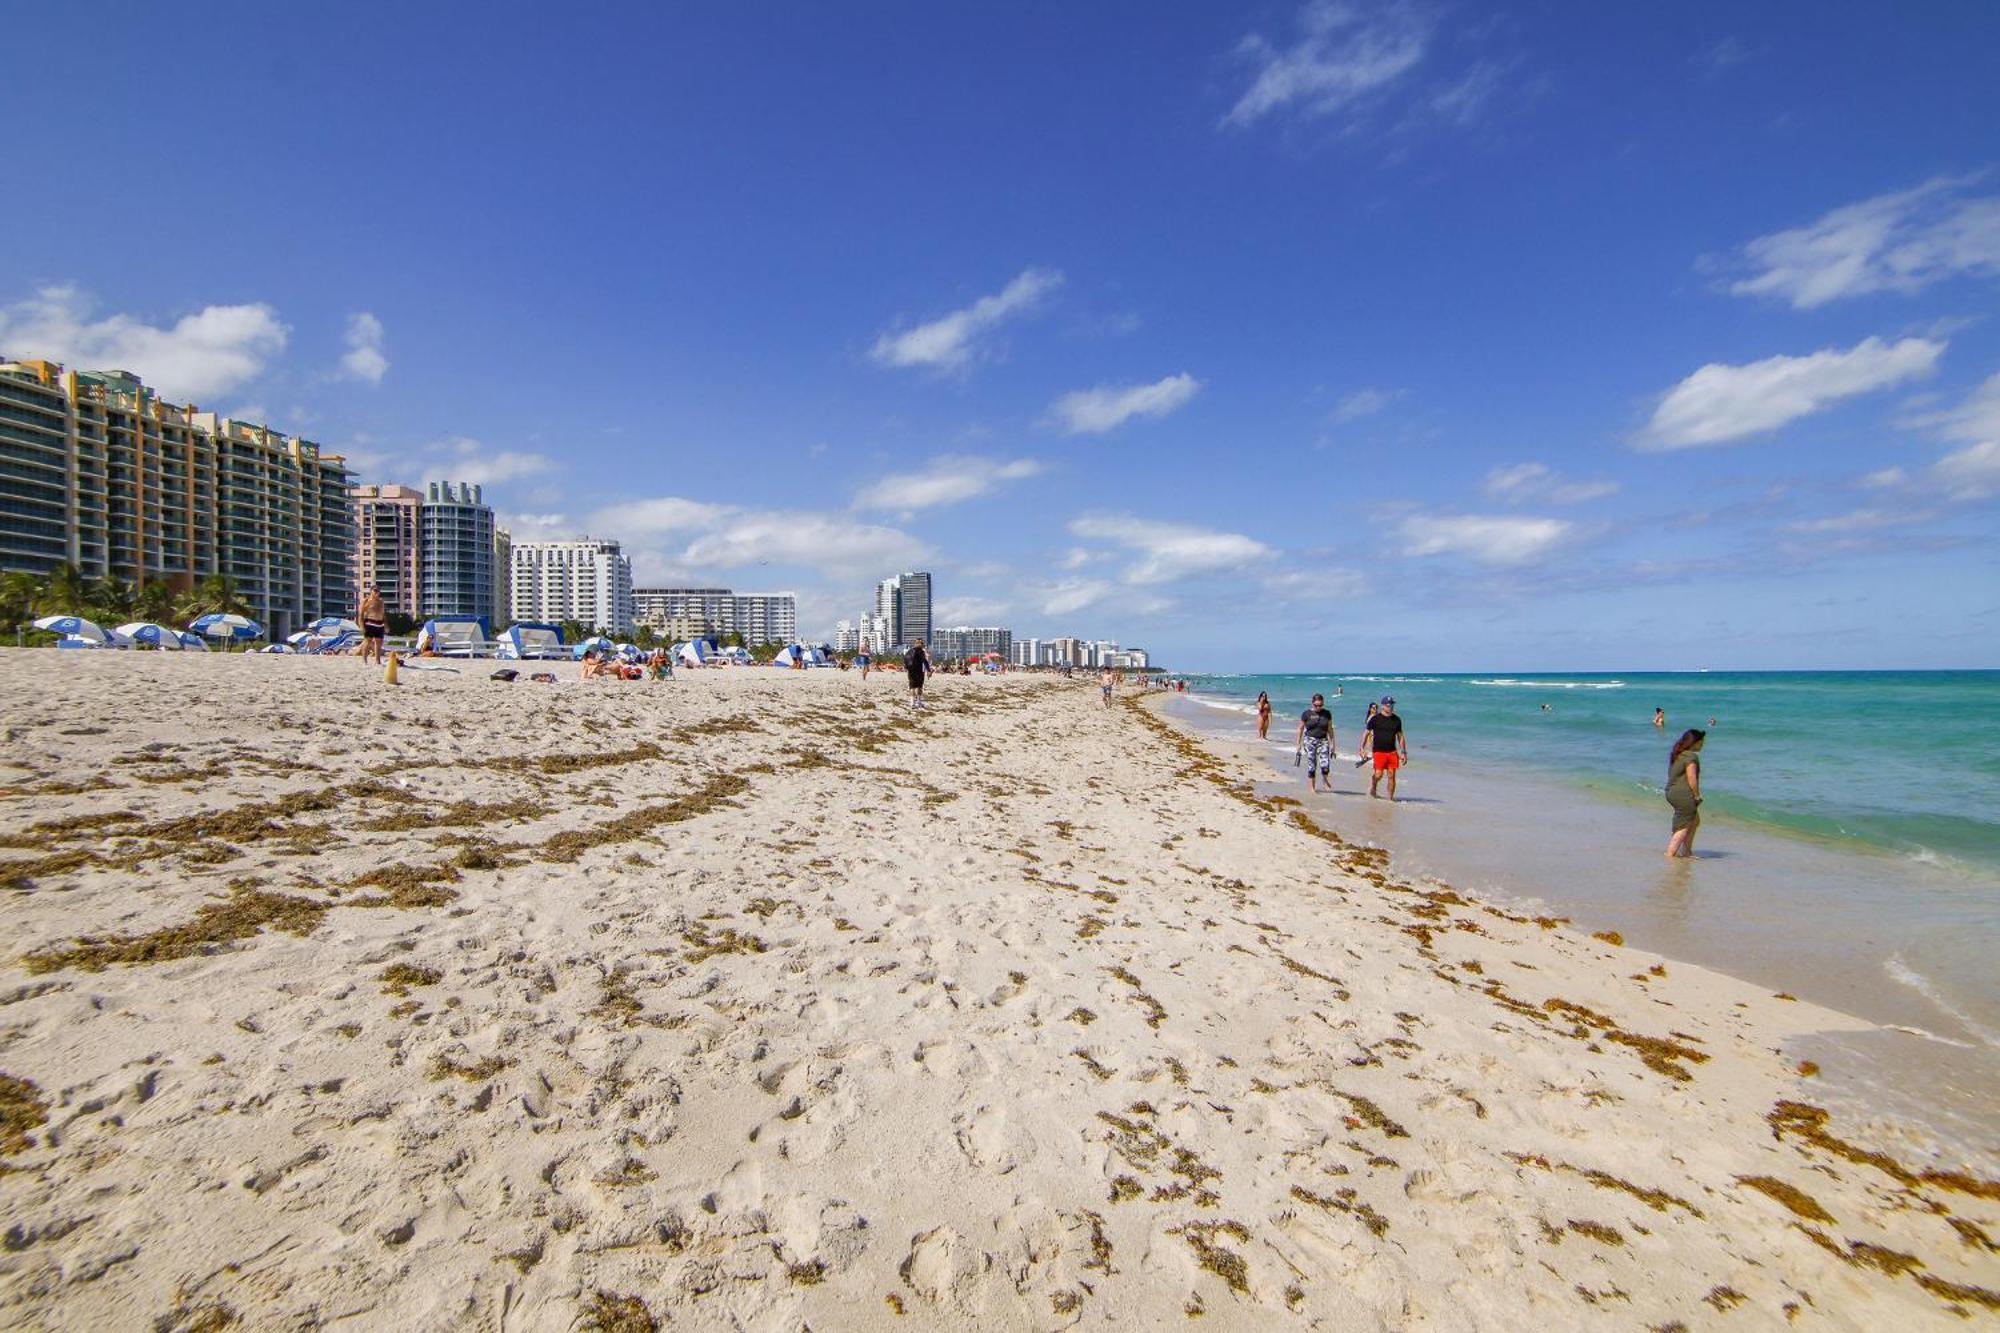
(1849, 850)
(1903, 762)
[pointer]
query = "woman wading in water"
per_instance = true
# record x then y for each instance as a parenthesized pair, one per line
(1263, 715)
(1684, 791)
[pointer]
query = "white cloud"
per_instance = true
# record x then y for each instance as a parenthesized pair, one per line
(1489, 539)
(466, 459)
(1719, 403)
(1971, 473)
(1525, 482)
(1856, 520)
(951, 342)
(1362, 403)
(534, 527)
(1316, 585)
(204, 355)
(1071, 595)
(1976, 419)
(1095, 411)
(1344, 55)
(660, 516)
(1076, 557)
(952, 611)
(804, 538)
(1719, 55)
(364, 359)
(1169, 551)
(1885, 478)
(946, 480)
(1901, 242)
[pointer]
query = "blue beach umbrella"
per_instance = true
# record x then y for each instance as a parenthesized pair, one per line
(150, 635)
(226, 625)
(74, 627)
(193, 642)
(329, 627)
(594, 642)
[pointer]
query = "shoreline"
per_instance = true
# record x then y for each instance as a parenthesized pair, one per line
(753, 997)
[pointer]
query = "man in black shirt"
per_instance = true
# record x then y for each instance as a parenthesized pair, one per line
(1389, 743)
(1316, 740)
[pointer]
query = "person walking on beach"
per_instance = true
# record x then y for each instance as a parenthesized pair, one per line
(1389, 743)
(1684, 791)
(1316, 740)
(1263, 716)
(374, 625)
(917, 661)
(1106, 680)
(864, 661)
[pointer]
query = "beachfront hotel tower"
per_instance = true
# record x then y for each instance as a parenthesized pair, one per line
(586, 580)
(457, 563)
(100, 473)
(689, 613)
(388, 552)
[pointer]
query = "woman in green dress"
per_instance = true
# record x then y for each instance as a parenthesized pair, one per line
(1684, 791)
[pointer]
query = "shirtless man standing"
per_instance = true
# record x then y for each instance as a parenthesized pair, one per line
(374, 625)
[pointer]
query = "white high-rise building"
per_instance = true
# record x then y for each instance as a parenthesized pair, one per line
(584, 580)
(760, 617)
(903, 601)
(846, 637)
(1026, 653)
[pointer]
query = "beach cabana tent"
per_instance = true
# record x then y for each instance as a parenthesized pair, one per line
(695, 653)
(453, 638)
(532, 641)
(149, 635)
(736, 656)
(793, 653)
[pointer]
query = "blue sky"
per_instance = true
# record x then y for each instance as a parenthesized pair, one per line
(1380, 336)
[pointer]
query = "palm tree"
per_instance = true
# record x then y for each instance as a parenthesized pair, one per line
(111, 598)
(18, 594)
(65, 592)
(159, 603)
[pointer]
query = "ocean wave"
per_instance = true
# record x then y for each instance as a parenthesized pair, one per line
(1903, 974)
(1223, 705)
(1552, 684)
(1395, 680)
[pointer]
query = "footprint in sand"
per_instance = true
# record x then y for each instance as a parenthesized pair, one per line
(991, 1141)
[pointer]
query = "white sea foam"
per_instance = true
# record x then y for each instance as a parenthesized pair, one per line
(1395, 680)
(1511, 683)
(1904, 974)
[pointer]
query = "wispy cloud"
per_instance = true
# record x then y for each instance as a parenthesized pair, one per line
(687, 536)
(1971, 473)
(951, 611)
(1900, 242)
(1168, 551)
(1721, 54)
(365, 360)
(1720, 403)
(461, 458)
(1343, 55)
(1523, 483)
(203, 355)
(1108, 406)
(1328, 584)
(946, 480)
(1362, 403)
(1489, 539)
(951, 342)
(1067, 596)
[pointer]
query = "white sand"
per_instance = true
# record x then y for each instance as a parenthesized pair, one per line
(1050, 1026)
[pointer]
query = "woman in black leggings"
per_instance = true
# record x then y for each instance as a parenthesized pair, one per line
(918, 663)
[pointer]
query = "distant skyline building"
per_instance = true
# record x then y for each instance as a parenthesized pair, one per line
(964, 642)
(585, 579)
(503, 576)
(760, 617)
(903, 604)
(99, 473)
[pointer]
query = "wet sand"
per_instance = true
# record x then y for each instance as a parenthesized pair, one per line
(753, 1000)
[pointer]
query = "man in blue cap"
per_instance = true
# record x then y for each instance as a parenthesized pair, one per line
(1389, 743)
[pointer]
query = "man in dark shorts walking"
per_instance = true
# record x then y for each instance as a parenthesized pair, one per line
(1389, 743)
(1316, 740)
(917, 661)
(374, 625)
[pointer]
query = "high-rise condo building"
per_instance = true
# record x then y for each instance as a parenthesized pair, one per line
(387, 545)
(457, 559)
(584, 580)
(903, 601)
(503, 576)
(98, 472)
(846, 637)
(431, 552)
(691, 612)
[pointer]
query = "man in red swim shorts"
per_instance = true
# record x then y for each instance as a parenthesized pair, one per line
(1389, 743)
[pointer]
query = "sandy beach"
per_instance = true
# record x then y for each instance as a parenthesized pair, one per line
(753, 1000)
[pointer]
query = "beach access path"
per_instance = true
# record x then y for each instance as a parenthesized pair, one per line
(753, 1000)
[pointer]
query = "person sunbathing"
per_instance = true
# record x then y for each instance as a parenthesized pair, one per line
(595, 666)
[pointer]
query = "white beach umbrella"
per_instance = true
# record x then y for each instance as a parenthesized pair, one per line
(328, 627)
(193, 642)
(74, 627)
(151, 635)
(296, 639)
